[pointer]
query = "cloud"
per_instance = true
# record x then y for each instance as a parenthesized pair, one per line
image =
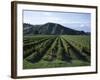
(82, 25)
(47, 14)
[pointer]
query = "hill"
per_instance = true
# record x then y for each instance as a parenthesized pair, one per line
(50, 29)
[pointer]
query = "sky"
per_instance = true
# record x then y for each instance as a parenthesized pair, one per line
(77, 21)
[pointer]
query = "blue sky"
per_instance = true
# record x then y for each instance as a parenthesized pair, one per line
(78, 21)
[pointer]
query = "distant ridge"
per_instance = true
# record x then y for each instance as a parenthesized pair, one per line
(50, 29)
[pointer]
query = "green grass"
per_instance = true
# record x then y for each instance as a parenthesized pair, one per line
(54, 64)
(49, 51)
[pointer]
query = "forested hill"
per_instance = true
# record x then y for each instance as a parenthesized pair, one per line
(50, 29)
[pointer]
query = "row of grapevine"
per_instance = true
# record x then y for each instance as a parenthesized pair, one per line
(32, 44)
(40, 52)
(30, 48)
(76, 51)
(53, 48)
(81, 43)
(51, 52)
(33, 39)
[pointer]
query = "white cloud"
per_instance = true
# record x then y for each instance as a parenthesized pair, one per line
(82, 25)
(48, 14)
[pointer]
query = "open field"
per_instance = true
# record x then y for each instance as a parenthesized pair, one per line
(48, 51)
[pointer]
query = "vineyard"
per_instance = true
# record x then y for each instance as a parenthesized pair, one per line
(43, 51)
